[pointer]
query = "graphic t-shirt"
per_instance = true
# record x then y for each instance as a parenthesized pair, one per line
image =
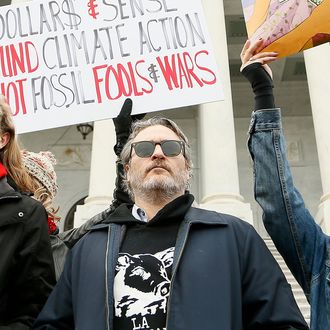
(142, 287)
(144, 269)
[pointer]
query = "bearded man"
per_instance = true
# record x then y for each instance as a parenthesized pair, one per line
(162, 264)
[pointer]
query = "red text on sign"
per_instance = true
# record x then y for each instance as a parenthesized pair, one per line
(183, 70)
(115, 81)
(16, 59)
(14, 92)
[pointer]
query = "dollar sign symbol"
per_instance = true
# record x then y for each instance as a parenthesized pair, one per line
(153, 72)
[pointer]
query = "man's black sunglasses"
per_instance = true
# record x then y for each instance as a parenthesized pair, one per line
(170, 148)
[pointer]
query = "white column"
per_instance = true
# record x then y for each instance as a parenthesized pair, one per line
(317, 62)
(102, 172)
(219, 172)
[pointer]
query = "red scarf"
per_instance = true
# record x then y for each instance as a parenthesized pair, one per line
(51, 225)
(3, 171)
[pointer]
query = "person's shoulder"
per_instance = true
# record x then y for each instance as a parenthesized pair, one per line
(99, 225)
(102, 223)
(240, 228)
(32, 208)
(29, 201)
(95, 233)
(95, 239)
(217, 217)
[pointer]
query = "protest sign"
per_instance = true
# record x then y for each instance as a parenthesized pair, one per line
(288, 26)
(64, 62)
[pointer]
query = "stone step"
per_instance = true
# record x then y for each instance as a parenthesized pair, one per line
(296, 289)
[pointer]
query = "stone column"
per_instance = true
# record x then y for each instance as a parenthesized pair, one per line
(318, 73)
(102, 172)
(219, 172)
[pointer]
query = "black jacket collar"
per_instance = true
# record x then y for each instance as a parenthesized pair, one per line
(170, 212)
(123, 214)
(6, 190)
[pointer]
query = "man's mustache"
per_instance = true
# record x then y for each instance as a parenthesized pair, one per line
(158, 164)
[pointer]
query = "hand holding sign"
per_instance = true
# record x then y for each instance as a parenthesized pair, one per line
(251, 54)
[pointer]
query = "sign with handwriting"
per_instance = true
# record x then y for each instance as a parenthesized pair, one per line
(64, 62)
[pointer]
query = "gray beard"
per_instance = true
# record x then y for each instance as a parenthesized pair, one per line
(157, 190)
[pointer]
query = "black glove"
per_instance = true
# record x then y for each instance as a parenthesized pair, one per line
(123, 125)
(262, 85)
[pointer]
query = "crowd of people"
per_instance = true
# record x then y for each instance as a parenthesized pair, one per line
(153, 260)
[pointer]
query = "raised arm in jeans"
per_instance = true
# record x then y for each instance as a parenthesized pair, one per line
(301, 242)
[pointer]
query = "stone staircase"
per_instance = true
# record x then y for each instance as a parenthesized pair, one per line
(297, 291)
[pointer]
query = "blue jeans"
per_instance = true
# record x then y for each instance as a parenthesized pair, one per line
(301, 242)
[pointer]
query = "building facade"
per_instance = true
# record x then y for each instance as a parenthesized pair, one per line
(223, 179)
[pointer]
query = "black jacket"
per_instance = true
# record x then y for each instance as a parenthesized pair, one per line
(26, 264)
(223, 277)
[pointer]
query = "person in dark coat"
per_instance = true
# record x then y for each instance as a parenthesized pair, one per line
(162, 264)
(26, 265)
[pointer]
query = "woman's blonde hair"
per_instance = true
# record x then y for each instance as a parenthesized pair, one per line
(12, 159)
(43, 196)
(10, 154)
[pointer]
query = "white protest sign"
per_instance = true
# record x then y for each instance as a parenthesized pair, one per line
(64, 62)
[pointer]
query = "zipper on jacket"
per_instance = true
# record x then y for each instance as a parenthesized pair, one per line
(115, 233)
(106, 283)
(175, 267)
(10, 197)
